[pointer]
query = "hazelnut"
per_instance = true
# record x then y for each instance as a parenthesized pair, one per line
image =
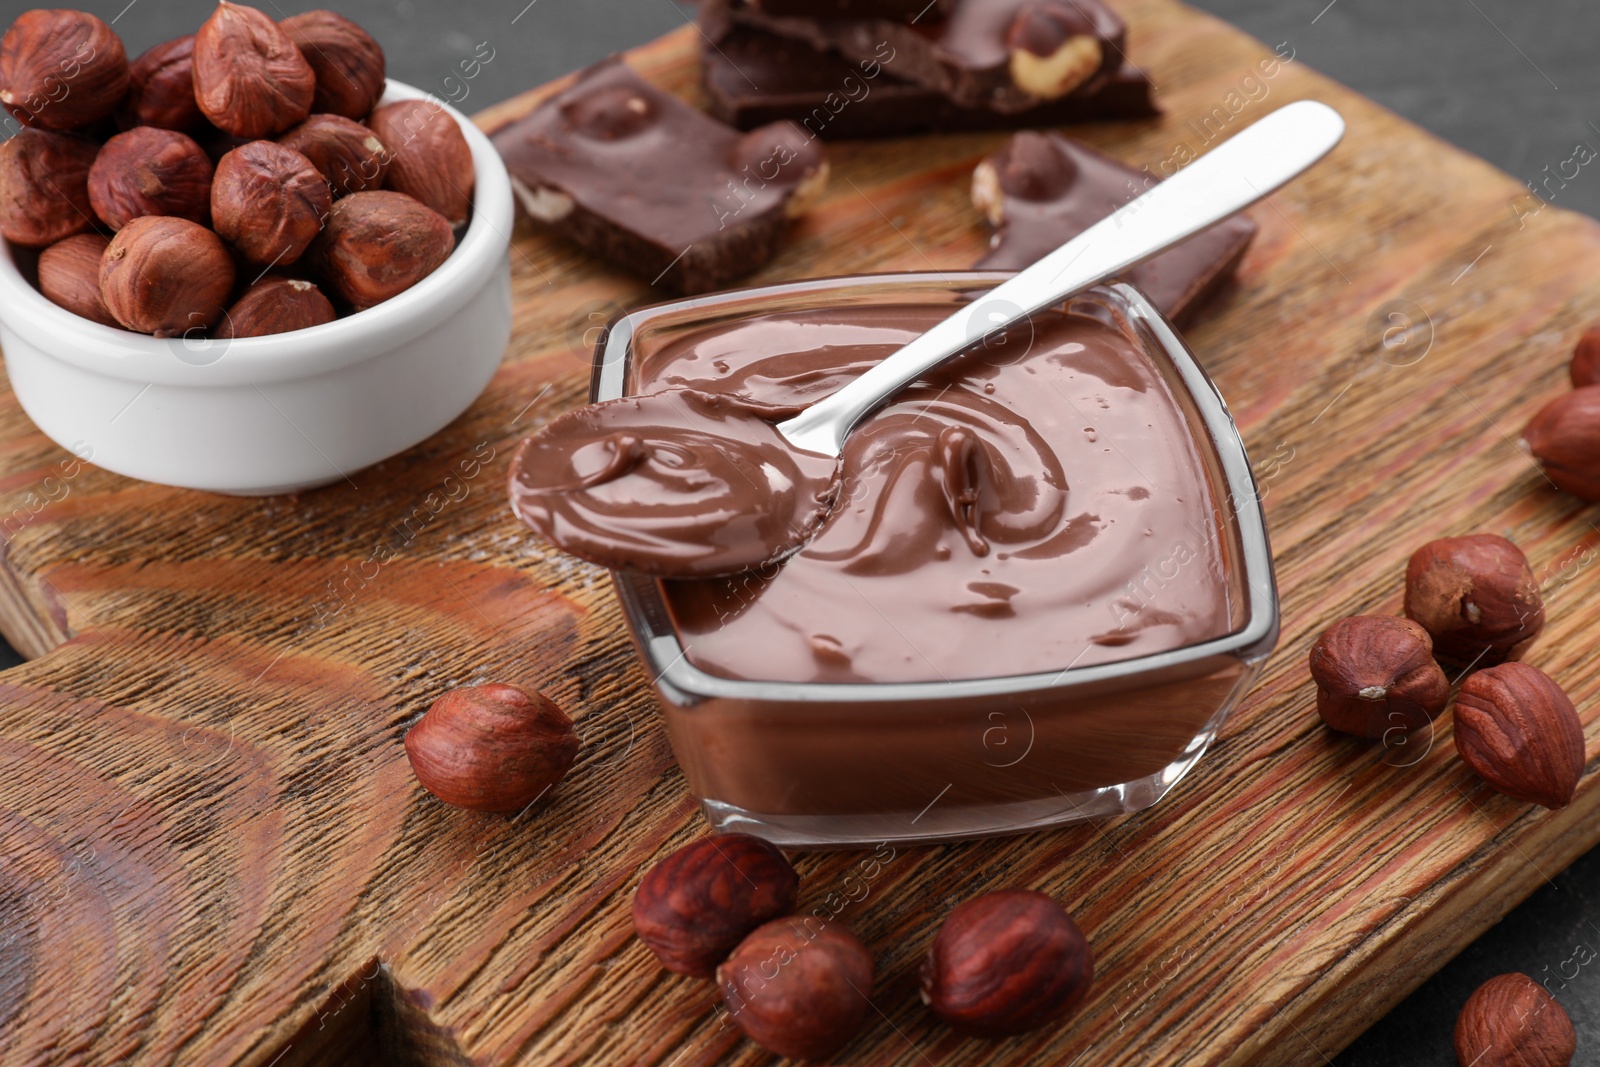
(428, 157)
(1030, 167)
(378, 245)
(696, 905)
(783, 152)
(276, 305)
(162, 93)
(269, 202)
(1054, 49)
(149, 171)
(347, 154)
(1375, 674)
(798, 992)
(61, 70)
(613, 113)
(1476, 596)
(44, 187)
(1585, 369)
(348, 63)
(1005, 963)
(1513, 1021)
(69, 276)
(249, 78)
(1565, 438)
(491, 747)
(1517, 729)
(166, 276)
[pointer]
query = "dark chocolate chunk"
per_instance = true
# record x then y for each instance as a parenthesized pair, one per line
(1043, 189)
(999, 55)
(641, 178)
(836, 98)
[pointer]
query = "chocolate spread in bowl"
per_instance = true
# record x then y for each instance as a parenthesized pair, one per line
(1035, 506)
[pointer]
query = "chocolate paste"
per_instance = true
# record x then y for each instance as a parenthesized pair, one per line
(1035, 506)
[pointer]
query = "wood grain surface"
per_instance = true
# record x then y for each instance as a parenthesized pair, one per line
(214, 851)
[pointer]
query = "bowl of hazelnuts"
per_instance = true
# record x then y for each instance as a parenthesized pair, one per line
(244, 261)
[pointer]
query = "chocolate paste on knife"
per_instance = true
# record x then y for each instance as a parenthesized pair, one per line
(1037, 505)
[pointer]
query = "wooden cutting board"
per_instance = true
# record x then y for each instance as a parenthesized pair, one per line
(214, 851)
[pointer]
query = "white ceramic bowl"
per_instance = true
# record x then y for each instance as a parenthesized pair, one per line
(273, 414)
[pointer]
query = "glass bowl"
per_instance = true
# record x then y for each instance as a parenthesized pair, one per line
(819, 764)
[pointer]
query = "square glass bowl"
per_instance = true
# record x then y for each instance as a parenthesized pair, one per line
(835, 764)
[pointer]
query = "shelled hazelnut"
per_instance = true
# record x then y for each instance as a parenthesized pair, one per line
(1376, 674)
(1054, 49)
(69, 276)
(1476, 596)
(377, 245)
(429, 159)
(491, 747)
(1585, 367)
(348, 63)
(269, 202)
(150, 171)
(1005, 963)
(162, 90)
(696, 905)
(44, 187)
(276, 305)
(166, 276)
(1513, 1021)
(1564, 437)
(797, 992)
(347, 154)
(61, 69)
(249, 78)
(1517, 729)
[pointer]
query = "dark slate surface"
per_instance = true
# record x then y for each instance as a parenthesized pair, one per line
(1515, 83)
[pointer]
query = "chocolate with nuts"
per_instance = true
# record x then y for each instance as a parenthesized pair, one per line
(61, 69)
(1006, 963)
(349, 65)
(694, 907)
(1519, 731)
(1376, 675)
(650, 183)
(1004, 55)
(1043, 189)
(249, 78)
(150, 171)
(1477, 596)
(44, 187)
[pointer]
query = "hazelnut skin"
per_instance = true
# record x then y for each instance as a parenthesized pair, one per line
(1005, 963)
(1585, 368)
(1513, 1021)
(346, 153)
(429, 159)
(276, 305)
(796, 992)
(378, 245)
(1518, 731)
(696, 905)
(249, 78)
(44, 187)
(1565, 439)
(269, 202)
(348, 63)
(61, 70)
(491, 747)
(166, 276)
(69, 276)
(1376, 674)
(1476, 596)
(162, 91)
(148, 171)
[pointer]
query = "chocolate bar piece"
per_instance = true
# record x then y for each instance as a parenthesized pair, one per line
(1043, 189)
(650, 183)
(999, 55)
(837, 99)
(919, 10)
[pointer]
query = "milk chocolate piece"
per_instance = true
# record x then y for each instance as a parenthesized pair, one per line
(1000, 55)
(1043, 189)
(641, 178)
